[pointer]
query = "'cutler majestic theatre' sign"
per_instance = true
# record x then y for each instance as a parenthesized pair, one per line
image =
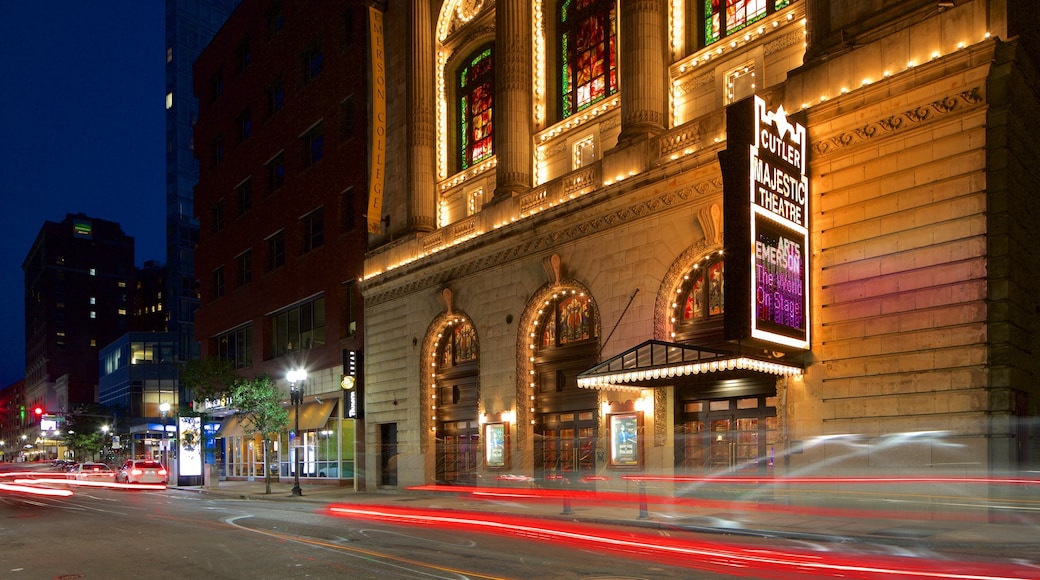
(766, 209)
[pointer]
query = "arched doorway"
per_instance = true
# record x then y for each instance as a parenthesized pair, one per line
(566, 418)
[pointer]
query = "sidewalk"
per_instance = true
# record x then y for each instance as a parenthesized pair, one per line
(1006, 540)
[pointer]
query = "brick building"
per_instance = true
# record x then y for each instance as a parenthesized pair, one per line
(281, 145)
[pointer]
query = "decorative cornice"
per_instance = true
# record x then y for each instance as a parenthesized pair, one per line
(911, 118)
(530, 246)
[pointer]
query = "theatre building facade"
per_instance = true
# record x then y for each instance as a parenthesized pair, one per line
(615, 239)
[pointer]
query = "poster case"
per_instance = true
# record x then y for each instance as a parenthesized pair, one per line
(625, 443)
(496, 445)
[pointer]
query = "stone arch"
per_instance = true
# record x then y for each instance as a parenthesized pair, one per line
(427, 371)
(527, 335)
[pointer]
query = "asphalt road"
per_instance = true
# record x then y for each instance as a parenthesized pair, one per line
(116, 534)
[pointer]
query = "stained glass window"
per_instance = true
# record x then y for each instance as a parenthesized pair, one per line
(460, 345)
(588, 53)
(704, 293)
(572, 321)
(476, 93)
(724, 17)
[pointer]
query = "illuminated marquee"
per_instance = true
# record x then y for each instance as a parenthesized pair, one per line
(766, 225)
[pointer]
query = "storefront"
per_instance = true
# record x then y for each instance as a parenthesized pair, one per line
(324, 446)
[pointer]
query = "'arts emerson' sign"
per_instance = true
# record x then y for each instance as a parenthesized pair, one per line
(766, 212)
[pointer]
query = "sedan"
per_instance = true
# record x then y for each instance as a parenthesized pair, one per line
(91, 472)
(142, 471)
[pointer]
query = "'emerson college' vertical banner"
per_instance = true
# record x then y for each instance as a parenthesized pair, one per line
(377, 139)
(766, 229)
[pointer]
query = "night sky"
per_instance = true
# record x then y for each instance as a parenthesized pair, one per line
(82, 122)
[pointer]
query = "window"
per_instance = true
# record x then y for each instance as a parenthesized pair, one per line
(313, 62)
(275, 97)
(348, 27)
(351, 310)
(346, 210)
(740, 82)
(460, 347)
(720, 18)
(275, 173)
(244, 262)
(476, 93)
(217, 281)
(313, 225)
(275, 19)
(216, 215)
(346, 112)
(313, 145)
(571, 321)
(216, 85)
(243, 55)
(275, 251)
(299, 328)
(702, 293)
(588, 53)
(244, 193)
(245, 124)
(218, 149)
(234, 347)
(584, 152)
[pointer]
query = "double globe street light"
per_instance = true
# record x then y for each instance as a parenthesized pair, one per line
(295, 398)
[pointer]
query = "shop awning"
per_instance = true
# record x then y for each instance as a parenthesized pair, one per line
(656, 363)
(231, 427)
(312, 415)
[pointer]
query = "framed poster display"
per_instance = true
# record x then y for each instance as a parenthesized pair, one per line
(625, 447)
(496, 444)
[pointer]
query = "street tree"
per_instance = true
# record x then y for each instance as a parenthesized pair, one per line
(83, 433)
(209, 378)
(259, 404)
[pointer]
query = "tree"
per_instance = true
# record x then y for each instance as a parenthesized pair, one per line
(83, 434)
(208, 378)
(259, 404)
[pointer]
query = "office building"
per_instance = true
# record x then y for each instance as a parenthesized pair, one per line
(282, 148)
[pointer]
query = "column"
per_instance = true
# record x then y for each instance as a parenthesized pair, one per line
(421, 137)
(643, 48)
(512, 105)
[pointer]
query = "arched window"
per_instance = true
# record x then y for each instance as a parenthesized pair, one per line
(460, 346)
(720, 18)
(700, 306)
(704, 293)
(476, 92)
(588, 53)
(571, 321)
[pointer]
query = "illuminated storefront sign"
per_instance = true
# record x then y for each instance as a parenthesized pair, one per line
(767, 225)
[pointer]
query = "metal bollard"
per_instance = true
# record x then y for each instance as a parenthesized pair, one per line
(644, 514)
(566, 498)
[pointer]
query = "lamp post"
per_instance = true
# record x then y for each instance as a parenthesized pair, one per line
(296, 397)
(164, 408)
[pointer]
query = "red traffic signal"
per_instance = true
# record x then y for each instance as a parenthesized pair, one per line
(38, 411)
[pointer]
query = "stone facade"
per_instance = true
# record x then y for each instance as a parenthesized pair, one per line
(922, 228)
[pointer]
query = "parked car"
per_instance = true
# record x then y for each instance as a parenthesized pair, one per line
(92, 472)
(142, 471)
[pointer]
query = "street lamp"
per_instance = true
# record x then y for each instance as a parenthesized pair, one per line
(164, 408)
(296, 397)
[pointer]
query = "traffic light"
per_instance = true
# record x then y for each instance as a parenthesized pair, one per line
(38, 411)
